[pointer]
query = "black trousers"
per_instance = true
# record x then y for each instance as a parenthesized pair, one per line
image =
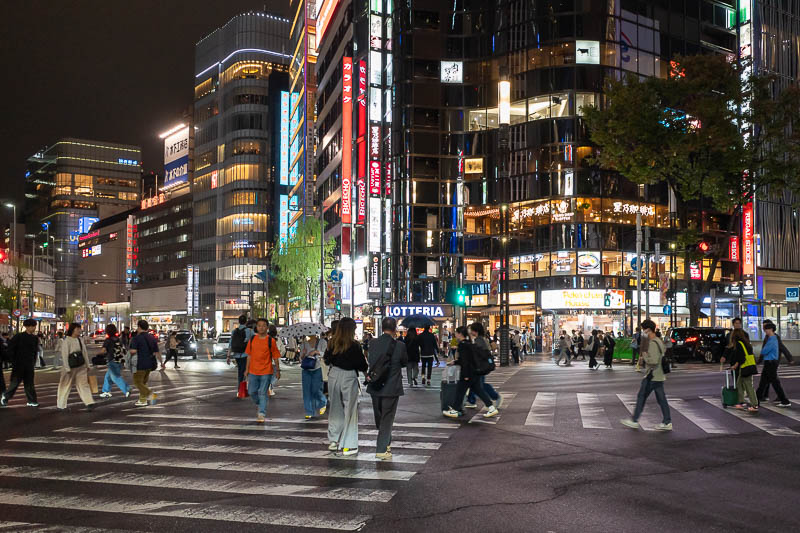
(515, 354)
(171, 354)
(23, 372)
(384, 408)
(427, 366)
(474, 385)
(2, 381)
(241, 366)
(769, 376)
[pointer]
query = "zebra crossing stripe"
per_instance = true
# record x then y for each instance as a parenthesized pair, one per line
(200, 484)
(421, 425)
(73, 399)
(266, 428)
(543, 410)
(190, 510)
(697, 416)
(507, 397)
(794, 415)
(27, 527)
(285, 439)
(763, 424)
(649, 419)
(349, 472)
(593, 416)
(226, 449)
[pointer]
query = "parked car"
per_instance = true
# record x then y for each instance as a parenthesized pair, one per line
(187, 344)
(705, 344)
(221, 344)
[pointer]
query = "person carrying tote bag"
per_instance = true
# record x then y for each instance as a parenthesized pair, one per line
(74, 369)
(744, 363)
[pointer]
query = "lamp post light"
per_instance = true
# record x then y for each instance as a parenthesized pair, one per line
(14, 228)
(504, 119)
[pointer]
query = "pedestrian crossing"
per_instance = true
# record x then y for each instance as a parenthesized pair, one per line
(553, 411)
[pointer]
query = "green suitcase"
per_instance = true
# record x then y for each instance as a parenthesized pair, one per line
(730, 396)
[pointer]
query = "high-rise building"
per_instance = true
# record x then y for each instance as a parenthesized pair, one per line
(72, 184)
(241, 69)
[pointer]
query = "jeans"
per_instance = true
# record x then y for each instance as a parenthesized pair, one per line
(474, 386)
(23, 372)
(313, 397)
(427, 366)
(648, 386)
(412, 371)
(384, 408)
(769, 376)
(257, 386)
(487, 387)
(241, 366)
(114, 375)
(140, 382)
(343, 415)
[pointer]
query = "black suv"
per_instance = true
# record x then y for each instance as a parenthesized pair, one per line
(706, 344)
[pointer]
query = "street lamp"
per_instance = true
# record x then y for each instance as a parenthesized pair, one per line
(504, 119)
(14, 229)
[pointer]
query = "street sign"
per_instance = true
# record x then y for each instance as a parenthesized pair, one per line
(262, 275)
(793, 294)
(636, 264)
(667, 309)
(336, 275)
(17, 313)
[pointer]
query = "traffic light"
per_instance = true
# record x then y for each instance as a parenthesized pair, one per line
(703, 247)
(461, 296)
(338, 304)
(44, 244)
(3, 256)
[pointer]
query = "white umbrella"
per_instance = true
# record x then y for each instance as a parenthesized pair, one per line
(303, 329)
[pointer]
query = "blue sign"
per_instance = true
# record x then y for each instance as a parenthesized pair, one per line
(176, 172)
(636, 264)
(85, 224)
(793, 294)
(336, 275)
(45, 226)
(667, 309)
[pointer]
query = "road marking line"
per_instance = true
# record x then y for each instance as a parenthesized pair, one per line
(227, 449)
(286, 439)
(543, 410)
(265, 428)
(761, 423)
(28, 527)
(195, 511)
(697, 416)
(422, 425)
(347, 472)
(187, 400)
(507, 397)
(650, 417)
(784, 411)
(201, 484)
(593, 416)
(118, 398)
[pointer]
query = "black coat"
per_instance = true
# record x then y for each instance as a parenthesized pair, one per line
(427, 343)
(413, 349)
(394, 383)
(466, 359)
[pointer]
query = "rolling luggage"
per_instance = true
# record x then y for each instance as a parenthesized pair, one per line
(448, 395)
(730, 396)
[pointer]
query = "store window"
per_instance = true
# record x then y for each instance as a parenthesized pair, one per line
(242, 222)
(563, 263)
(84, 185)
(243, 70)
(612, 263)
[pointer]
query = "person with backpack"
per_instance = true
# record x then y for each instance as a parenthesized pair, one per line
(770, 354)
(314, 401)
(240, 337)
(653, 380)
(74, 369)
(476, 333)
(115, 355)
(23, 350)
(466, 358)
(742, 363)
(263, 367)
(145, 348)
(387, 359)
(346, 359)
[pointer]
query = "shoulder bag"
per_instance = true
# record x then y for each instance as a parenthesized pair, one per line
(76, 359)
(310, 361)
(749, 367)
(378, 374)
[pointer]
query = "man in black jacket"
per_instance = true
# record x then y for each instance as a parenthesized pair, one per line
(386, 396)
(428, 347)
(24, 349)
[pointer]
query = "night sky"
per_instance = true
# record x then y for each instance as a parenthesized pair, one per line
(113, 70)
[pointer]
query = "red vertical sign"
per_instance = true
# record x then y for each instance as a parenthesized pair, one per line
(347, 139)
(733, 248)
(748, 224)
(361, 145)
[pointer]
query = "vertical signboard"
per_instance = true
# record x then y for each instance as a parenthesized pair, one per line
(283, 220)
(374, 231)
(748, 255)
(347, 139)
(294, 146)
(374, 274)
(733, 248)
(176, 159)
(361, 145)
(696, 270)
(190, 290)
(283, 167)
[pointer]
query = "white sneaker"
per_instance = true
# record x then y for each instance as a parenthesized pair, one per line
(471, 405)
(451, 413)
(271, 392)
(491, 412)
(105, 395)
(141, 403)
(333, 446)
(629, 423)
(33, 404)
(787, 404)
(127, 394)
(349, 451)
(664, 427)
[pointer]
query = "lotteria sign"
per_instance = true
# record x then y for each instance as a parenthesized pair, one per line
(431, 310)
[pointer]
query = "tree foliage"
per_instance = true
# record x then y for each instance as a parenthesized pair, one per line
(716, 135)
(297, 263)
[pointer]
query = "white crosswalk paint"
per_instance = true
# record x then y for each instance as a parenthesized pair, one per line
(267, 428)
(27, 527)
(697, 416)
(787, 412)
(190, 510)
(758, 421)
(226, 449)
(284, 439)
(74, 398)
(543, 410)
(348, 472)
(202, 484)
(206, 393)
(651, 416)
(423, 425)
(478, 418)
(593, 416)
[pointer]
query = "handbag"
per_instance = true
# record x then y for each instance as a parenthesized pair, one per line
(242, 392)
(749, 367)
(75, 359)
(309, 362)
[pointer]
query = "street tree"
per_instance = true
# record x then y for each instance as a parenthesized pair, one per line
(714, 133)
(297, 263)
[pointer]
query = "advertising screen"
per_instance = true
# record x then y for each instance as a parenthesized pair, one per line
(176, 159)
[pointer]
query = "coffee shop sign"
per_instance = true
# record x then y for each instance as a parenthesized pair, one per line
(622, 207)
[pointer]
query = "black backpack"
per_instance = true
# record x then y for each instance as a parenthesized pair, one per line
(378, 374)
(238, 341)
(483, 360)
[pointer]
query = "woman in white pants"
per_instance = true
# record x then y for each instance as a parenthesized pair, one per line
(79, 375)
(346, 359)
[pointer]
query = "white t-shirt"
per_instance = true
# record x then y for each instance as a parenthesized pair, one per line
(307, 348)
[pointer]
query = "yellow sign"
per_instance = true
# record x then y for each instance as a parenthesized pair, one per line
(521, 298)
(473, 165)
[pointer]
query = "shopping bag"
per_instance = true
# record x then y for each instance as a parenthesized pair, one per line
(242, 390)
(92, 383)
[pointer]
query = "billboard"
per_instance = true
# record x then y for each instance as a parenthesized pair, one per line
(85, 224)
(748, 248)
(176, 159)
(283, 220)
(583, 299)
(283, 167)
